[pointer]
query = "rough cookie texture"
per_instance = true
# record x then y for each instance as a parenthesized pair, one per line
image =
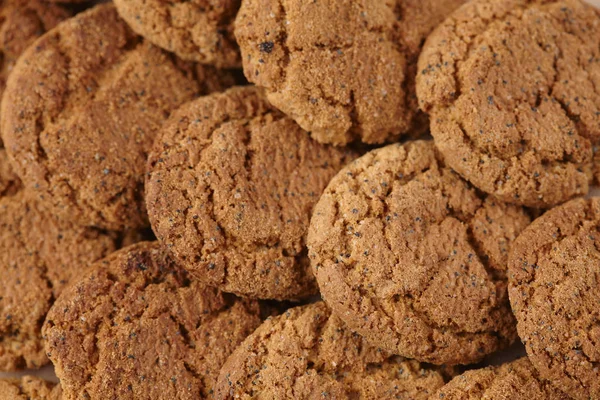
(230, 190)
(197, 30)
(21, 22)
(87, 101)
(39, 254)
(29, 388)
(413, 258)
(307, 353)
(135, 327)
(342, 69)
(554, 290)
(517, 380)
(513, 92)
(9, 182)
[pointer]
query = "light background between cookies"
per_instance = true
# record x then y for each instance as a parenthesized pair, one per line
(515, 351)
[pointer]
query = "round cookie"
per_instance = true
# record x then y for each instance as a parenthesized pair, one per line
(342, 69)
(9, 182)
(196, 30)
(307, 353)
(29, 387)
(39, 254)
(87, 101)
(413, 258)
(517, 380)
(230, 190)
(513, 92)
(554, 292)
(135, 326)
(21, 22)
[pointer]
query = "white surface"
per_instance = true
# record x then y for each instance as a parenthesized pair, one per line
(516, 351)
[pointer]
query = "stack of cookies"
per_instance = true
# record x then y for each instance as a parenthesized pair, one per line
(282, 199)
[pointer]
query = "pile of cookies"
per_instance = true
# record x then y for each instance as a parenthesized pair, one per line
(282, 199)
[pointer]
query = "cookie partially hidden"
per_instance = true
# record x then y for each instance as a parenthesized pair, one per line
(29, 388)
(513, 92)
(196, 30)
(555, 292)
(87, 100)
(344, 70)
(230, 190)
(21, 22)
(135, 326)
(517, 380)
(39, 254)
(307, 353)
(413, 258)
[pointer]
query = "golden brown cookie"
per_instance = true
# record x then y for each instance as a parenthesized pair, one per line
(413, 258)
(29, 388)
(196, 30)
(513, 92)
(87, 101)
(9, 182)
(554, 288)
(517, 380)
(307, 353)
(342, 69)
(230, 190)
(135, 326)
(39, 254)
(21, 22)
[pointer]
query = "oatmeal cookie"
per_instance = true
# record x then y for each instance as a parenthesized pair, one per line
(87, 101)
(554, 289)
(342, 69)
(413, 258)
(136, 326)
(231, 186)
(307, 353)
(513, 92)
(196, 30)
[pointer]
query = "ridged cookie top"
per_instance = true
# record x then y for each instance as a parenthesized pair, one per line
(21, 22)
(513, 92)
(307, 353)
(39, 255)
(344, 70)
(230, 190)
(412, 257)
(517, 380)
(555, 292)
(197, 30)
(87, 100)
(134, 326)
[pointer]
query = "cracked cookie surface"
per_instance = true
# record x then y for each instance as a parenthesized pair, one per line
(307, 353)
(554, 293)
(513, 92)
(135, 326)
(413, 258)
(230, 190)
(342, 69)
(21, 22)
(29, 388)
(39, 254)
(197, 30)
(517, 380)
(87, 101)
